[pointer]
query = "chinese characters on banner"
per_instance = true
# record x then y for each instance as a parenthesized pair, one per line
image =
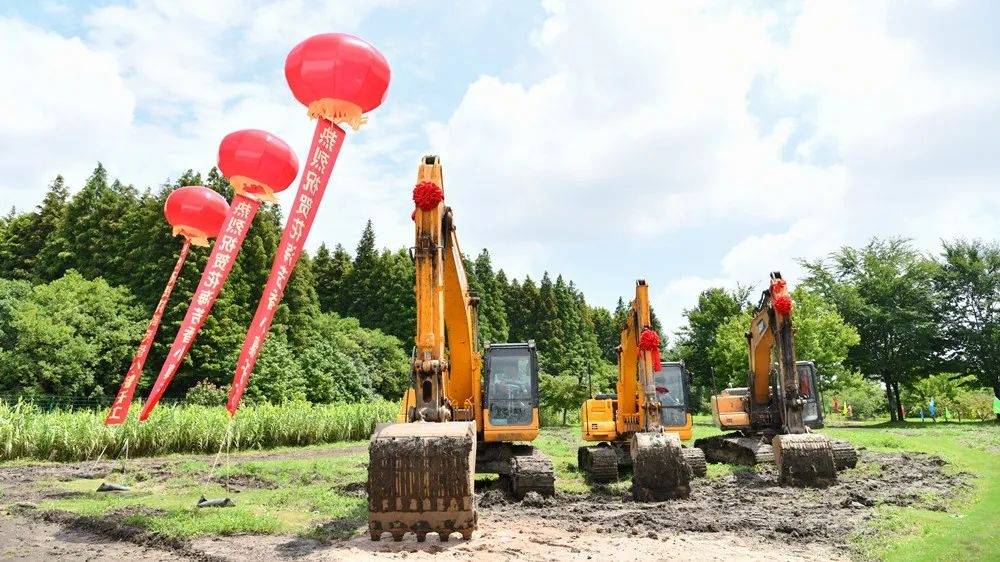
(220, 262)
(323, 152)
(119, 408)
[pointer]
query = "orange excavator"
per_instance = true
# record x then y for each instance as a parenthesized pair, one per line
(641, 427)
(774, 415)
(467, 410)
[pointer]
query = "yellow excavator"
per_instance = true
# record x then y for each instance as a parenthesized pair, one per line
(773, 417)
(465, 412)
(641, 427)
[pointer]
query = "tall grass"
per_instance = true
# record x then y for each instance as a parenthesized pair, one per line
(27, 432)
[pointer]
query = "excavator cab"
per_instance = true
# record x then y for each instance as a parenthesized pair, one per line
(673, 395)
(510, 383)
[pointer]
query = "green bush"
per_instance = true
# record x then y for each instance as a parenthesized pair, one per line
(866, 398)
(205, 394)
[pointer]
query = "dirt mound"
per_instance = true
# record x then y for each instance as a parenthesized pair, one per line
(754, 503)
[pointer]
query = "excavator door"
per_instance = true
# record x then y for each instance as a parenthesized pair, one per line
(510, 392)
(812, 411)
(673, 395)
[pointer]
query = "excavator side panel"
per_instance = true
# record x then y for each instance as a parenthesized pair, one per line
(597, 418)
(730, 412)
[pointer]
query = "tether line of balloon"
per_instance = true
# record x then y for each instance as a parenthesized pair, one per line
(339, 78)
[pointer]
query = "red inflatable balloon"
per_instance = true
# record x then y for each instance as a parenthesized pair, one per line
(338, 77)
(196, 212)
(257, 163)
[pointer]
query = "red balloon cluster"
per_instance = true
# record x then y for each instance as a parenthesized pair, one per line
(196, 212)
(338, 77)
(427, 195)
(257, 163)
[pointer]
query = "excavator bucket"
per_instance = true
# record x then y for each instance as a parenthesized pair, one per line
(660, 471)
(421, 480)
(805, 459)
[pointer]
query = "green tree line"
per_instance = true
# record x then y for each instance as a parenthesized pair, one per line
(883, 318)
(81, 273)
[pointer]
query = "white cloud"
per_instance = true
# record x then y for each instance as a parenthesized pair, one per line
(643, 126)
(63, 106)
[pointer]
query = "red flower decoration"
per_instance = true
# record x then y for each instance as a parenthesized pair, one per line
(780, 298)
(427, 195)
(338, 77)
(196, 212)
(649, 341)
(782, 304)
(257, 163)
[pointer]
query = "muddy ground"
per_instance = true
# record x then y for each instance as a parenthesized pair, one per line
(743, 515)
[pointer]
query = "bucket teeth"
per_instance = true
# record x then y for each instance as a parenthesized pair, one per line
(420, 480)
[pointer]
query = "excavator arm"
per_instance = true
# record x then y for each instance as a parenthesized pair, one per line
(421, 471)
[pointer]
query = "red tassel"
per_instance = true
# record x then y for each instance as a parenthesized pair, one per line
(650, 341)
(427, 195)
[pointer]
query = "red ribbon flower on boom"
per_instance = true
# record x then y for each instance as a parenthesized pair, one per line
(649, 341)
(780, 297)
(427, 195)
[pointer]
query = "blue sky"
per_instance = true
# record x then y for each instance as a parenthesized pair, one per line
(690, 143)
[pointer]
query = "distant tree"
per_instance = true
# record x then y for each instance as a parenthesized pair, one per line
(967, 281)
(715, 307)
(561, 393)
(278, 377)
(607, 331)
(493, 324)
(331, 269)
(821, 335)
(884, 289)
(69, 337)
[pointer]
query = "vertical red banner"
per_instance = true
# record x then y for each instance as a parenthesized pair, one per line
(242, 210)
(323, 152)
(119, 408)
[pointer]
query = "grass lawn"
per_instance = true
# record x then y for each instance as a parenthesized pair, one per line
(302, 495)
(970, 529)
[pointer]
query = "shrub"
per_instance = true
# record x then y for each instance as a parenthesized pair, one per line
(206, 394)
